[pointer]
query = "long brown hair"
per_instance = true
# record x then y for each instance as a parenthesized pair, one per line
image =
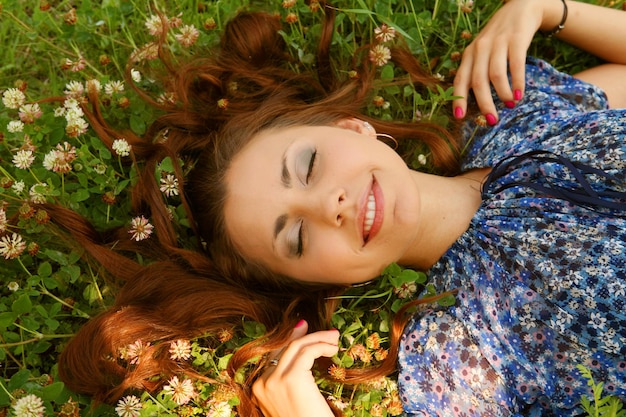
(222, 101)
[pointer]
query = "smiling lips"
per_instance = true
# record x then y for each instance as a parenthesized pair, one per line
(373, 212)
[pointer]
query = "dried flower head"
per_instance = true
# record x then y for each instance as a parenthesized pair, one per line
(291, 18)
(210, 24)
(337, 372)
(358, 351)
(70, 17)
(466, 6)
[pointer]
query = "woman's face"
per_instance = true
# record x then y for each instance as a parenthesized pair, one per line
(321, 204)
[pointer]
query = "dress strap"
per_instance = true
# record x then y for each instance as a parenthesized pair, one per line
(582, 193)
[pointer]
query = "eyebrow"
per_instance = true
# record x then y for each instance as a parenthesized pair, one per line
(285, 179)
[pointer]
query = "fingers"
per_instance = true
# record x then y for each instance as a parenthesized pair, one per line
(301, 353)
(288, 388)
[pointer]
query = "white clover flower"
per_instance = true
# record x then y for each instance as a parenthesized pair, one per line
(129, 406)
(188, 35)
(74, 89)
(154, 24)
(73, 113)
(140, 228)
(93, 86)
(23, 159)
(13, 98)
(380, 55)
(76, 127)
(384, 33)
(18, 187)
(135, 75)
(59, 112)
(113, 87)
(15, 126)
(134, 351)
(3, 220)
(121, 147)
(12, 246)
(38, 193)
(182, 391)
(180, 350)
(421, 158)
(71, 103)
(30, 112)
(50, 160)
(220, 409)
(169, 185)
(100, 169)
(13, 286)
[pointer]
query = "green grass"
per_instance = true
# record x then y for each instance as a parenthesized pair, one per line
(48, 292)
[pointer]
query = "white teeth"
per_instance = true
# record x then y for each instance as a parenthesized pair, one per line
(369, 214)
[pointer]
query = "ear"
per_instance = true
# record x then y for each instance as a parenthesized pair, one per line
(357, 125)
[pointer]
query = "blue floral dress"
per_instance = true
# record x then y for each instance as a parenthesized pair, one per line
(542, 281)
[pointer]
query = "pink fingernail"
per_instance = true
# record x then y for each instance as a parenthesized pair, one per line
(509, 104)
(300, 323)
(491, 119)
(458, 113)
(517, 95)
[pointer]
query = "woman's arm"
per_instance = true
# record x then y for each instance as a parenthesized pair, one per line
(503, 43)
(288, 389)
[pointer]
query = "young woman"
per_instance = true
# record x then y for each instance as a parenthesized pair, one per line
(295, 196)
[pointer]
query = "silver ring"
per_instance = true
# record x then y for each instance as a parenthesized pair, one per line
(273, 362)
(367, 126)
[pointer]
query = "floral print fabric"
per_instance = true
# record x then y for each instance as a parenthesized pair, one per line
(542, 282)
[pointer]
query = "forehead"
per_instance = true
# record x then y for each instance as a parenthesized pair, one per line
(252, 180)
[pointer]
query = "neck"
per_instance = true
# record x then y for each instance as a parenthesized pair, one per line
(448, 204)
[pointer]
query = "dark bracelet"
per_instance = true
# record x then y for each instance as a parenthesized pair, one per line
(558, 27)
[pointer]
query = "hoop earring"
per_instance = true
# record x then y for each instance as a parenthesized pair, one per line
(389, 137)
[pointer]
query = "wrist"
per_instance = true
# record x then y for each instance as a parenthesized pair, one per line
(554, 17)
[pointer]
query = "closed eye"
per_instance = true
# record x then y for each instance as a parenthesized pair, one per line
(305, 165)
(311, 165)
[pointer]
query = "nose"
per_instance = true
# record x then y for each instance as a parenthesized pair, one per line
(327, 206)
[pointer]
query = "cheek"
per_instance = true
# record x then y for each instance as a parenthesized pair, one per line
(335, 262)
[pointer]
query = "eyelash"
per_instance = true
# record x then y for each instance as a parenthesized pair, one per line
(311, 165)
(308, 176)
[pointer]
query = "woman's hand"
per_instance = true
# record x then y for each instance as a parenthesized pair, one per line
(288, 388)
(505, 39)
(500, 46)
